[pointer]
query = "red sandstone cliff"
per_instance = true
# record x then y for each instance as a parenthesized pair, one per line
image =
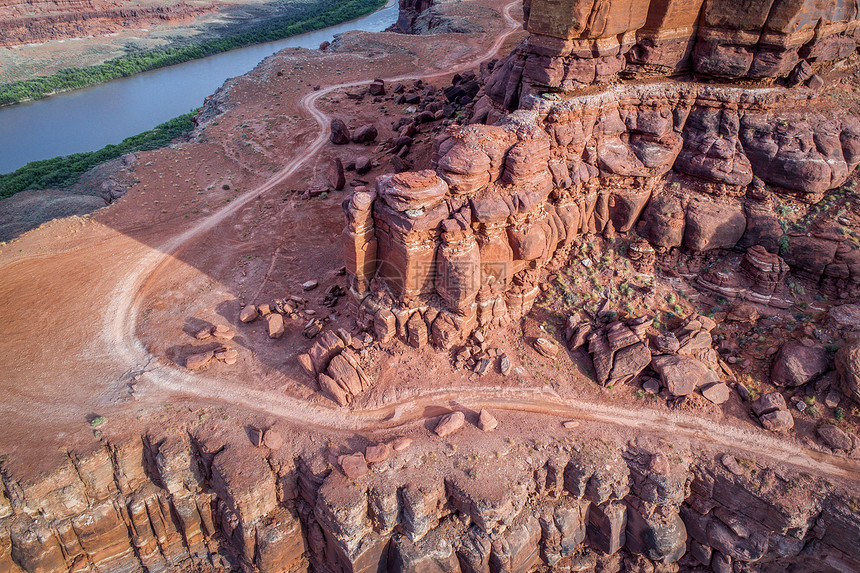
(40, 21)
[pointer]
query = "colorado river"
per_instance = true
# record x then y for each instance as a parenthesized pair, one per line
(89, 119)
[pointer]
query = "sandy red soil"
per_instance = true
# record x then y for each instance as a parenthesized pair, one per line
(98, 310)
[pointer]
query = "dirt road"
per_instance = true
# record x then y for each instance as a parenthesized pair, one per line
(117, 354)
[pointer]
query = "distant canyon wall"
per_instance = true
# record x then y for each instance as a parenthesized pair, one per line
(33, 22)
(409, 12)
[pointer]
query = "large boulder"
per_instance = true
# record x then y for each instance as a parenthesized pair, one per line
(797, 363)
(769, 403)
(365, 134)
(662, 222)
(778, 421)
(835, 438)
(848, 365)
(411, 191)
(339, 132)
(450, 423)
(713, 225)
(845, 317)
(681, 375)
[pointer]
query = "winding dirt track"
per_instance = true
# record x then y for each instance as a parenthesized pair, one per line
(120, 326)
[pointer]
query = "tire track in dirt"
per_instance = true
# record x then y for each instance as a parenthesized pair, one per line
(120, 328)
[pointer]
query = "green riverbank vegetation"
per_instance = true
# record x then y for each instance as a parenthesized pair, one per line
(313, 16)
(59, 172)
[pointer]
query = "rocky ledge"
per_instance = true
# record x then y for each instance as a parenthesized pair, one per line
(475, 500)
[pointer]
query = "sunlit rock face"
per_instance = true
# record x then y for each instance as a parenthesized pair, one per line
(674, 119)
(575, 43)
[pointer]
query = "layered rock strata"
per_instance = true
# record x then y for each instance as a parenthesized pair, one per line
(180, 504)
(28, 22)
(683, 165)
(576, 43)
(409, 11)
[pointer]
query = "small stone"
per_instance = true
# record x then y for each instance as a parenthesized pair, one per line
(273, 439)
(778, 421)
(504, 364)
(265, 310)
(353, 465)
(249, 313)
(487, 422)
(659, 464)
(450, 424)
(256, 436)
(651, 385)
(223, 332)
(198, 361)
(717, 393)
(482, 367)
(228, 355)
(546, 347)
(276, 325)
(310, 285)
(835, 438)
(815, 82)
(377, 453)
(401, 444)
(203, 333)
(801, 406)
(570, 424)
(731, 464)
(832, 399)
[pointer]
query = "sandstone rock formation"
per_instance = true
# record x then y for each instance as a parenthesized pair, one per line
(848, 365)
(210, 501)
(579, 43)
(30, 22)
(673, 162)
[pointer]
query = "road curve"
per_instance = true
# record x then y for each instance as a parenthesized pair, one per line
(120, 326)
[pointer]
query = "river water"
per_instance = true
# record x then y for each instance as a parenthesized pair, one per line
(89, 119)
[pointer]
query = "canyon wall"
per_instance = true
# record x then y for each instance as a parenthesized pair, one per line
(183, 502)
(681, 165)
(576, 43)
(409, 11)
(31, 22)
(565, 143)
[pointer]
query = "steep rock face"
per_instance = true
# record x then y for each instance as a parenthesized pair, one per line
(27, 22)
(683, 164)
(155, 503)
(177, 504)
(410, 10)
(575, 43)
